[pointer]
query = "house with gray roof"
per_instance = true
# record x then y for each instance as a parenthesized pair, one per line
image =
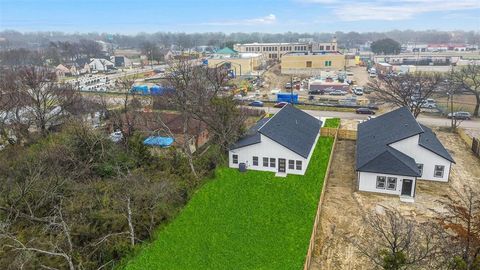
(394, 151)
(282, 144)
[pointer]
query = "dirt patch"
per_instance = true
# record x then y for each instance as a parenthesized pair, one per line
(343, 208)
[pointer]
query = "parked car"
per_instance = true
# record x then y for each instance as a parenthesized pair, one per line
(460, 115)
(364, 111)
(288, 86)
(358, 90)
(280, 104)
(337, 93)
(316, 92)
(367, 90)
(256, 103)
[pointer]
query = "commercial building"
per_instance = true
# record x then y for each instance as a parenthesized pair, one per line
(239, 64)
(276, 50)
(312, 63)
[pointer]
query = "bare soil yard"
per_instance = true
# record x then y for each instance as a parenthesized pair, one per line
(341, 216)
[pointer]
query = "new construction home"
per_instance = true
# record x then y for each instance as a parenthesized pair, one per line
(394, 151)
(283, 143)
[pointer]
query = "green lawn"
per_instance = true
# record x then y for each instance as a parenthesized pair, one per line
(250, 220)
(332, 122)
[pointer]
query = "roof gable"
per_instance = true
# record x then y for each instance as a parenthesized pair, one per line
(376, 134)
(294, 129)
(290, 127)
(429, 140)
(392, 161)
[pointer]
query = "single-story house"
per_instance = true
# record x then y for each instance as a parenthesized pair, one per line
(394, 151)
(283, 143)
(101, 65)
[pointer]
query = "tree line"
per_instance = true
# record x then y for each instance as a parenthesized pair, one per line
(70, 198)
(36, 40)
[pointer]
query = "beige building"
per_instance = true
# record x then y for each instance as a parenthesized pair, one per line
(276, 50)
(241, 64)
(311, 63)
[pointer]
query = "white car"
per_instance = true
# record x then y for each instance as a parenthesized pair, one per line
(116, 136)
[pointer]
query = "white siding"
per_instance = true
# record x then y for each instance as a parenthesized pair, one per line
(271, 149)
(429, 159)
(367, 181)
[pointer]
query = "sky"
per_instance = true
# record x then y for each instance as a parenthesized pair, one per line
(274, 16)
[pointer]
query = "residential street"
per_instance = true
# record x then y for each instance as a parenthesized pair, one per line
(426, 120)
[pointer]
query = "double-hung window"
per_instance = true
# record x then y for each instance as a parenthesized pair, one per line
(299, 165)
(439, 169)
(255, 161)
(235, 159)
(391, 183)
(381, 182)
(420, 168)
(291, 164)
(272, 162)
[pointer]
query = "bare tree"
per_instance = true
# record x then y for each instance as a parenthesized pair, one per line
(392, 241)
(468, 79)
(462, 222)
(45, 101)
(409, 90)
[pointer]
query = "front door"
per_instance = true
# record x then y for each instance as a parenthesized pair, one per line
(281, 165)
(407, 187)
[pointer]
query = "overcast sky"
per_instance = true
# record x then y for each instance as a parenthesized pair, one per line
(121, 16)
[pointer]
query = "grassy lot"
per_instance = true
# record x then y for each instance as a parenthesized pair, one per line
(332, 122)
(250, 220)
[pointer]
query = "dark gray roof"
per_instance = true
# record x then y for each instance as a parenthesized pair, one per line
(290, 127)
(251, 136)
(374, 136)
(429, 140)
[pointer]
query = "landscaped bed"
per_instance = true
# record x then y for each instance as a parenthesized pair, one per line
(250, 220)
(332, 123)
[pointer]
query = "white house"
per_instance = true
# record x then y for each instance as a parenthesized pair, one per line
(394, 151)
(283, 143)
(98, 64)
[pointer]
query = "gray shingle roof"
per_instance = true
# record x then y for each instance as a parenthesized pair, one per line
(429, 140)
(252, 136)
(374, 136)
(290, 127)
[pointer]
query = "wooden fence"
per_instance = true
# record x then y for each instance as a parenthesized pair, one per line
(334, 132)
(472, 143)
(343, 134)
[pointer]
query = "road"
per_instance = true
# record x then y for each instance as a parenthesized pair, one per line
(426, 120)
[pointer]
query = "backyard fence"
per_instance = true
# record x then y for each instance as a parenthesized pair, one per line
(472, 143)
(330, 132)
(343, 134)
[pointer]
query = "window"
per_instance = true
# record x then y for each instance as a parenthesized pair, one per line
(299, 165)
(255, 161)
(328, 48)
(392, 183)
(420, 168)
(333, 48)
(235, 159)
(272, 162)
(322, 48)
(265, 162)
(291, 164)
(381, 182)
(309, 64)
(439, 170)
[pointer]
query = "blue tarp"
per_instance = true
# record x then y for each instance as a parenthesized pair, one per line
(287, 97)
(158, 141)
(160, 90)
(142, 89)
